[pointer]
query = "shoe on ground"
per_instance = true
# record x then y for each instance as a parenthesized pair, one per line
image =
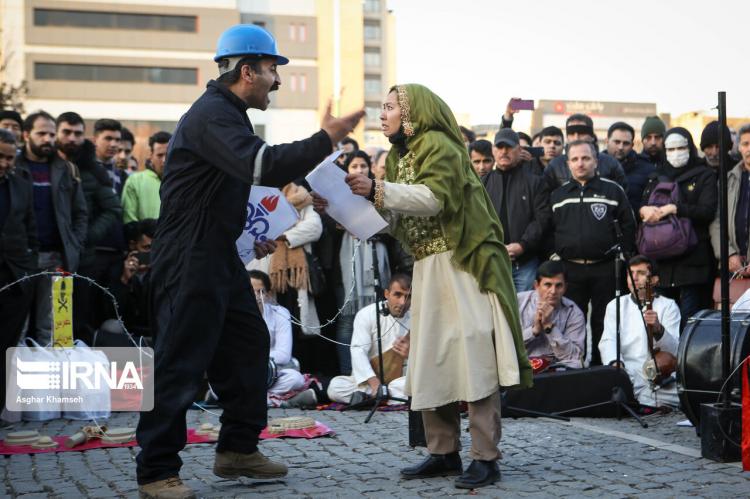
(303, 400)
(479, 474)
(434, 465)
(234, 465)
(359, 397)
(171, 488)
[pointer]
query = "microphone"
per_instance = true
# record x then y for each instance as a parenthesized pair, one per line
(384, 309)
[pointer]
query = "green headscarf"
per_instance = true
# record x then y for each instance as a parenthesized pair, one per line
(468, 219)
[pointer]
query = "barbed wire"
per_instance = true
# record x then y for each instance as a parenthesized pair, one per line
(91, 282)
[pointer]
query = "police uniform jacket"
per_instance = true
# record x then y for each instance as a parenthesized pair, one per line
(583, 218)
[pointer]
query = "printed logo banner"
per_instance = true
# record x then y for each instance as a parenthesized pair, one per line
(269, 214)
(80, 379)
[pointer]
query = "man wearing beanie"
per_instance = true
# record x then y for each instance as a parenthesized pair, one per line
(652, 137)
(11, 121)
(710, 143)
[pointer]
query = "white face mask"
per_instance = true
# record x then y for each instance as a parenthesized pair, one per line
(678, 158)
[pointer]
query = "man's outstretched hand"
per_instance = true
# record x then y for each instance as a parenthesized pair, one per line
(339, 128)
(263, 248)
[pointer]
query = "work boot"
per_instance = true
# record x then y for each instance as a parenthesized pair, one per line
(434, 465)
(171, 488)
(234, 465)
(479, 474)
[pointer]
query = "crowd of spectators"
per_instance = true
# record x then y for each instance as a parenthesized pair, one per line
(78, 201)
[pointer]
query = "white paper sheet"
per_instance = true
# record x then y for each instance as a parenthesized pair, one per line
(354, 213)
(269, 214)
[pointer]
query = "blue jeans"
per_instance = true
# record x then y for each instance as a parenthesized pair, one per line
(524, 274)
(344, 330)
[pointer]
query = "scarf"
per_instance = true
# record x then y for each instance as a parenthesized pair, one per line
(288, 266)
(469, 222)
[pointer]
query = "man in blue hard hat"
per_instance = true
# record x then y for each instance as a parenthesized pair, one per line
(203, 311)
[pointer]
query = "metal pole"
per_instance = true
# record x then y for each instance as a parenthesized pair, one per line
(724, 246)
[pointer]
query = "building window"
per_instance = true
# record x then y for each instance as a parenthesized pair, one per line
(293, 82)
(372, 6)
(372, 31)
(372, 58)
(372, 111)
(134, 74)
(292, 32)
(372, 85)
(302, 28)
(114, 20)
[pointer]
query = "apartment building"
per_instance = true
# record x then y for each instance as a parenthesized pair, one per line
(145, 61)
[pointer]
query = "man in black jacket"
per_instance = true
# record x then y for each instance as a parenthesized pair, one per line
(581, 127)
(105, 214)
(18, 248)
(205, 316)
(59, 209)
(520, 200)
(620, 138)
(588, 212)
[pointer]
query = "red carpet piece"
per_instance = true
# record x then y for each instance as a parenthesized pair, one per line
(320, 430)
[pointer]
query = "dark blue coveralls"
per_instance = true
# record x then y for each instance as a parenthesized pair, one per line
(204, 314)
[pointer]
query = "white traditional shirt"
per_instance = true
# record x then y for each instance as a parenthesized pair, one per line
(278, 320)
(365, 339)
(634, 345)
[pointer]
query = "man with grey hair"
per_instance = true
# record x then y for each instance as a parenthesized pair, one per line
(738, 201)
(588, 215)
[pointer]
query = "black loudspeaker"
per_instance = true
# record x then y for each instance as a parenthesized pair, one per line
(565, 390)
(721, 430)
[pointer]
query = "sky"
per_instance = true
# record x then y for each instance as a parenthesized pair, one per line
(476, 54)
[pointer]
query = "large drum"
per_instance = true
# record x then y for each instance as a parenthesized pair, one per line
(699, 359)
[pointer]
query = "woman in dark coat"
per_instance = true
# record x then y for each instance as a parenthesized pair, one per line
(686, 278)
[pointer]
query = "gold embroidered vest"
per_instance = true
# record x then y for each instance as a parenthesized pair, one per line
(423, 235)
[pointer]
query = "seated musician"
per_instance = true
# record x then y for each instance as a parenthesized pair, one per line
(286, 385)
(640, 347)
(394, 328)
(554, 328)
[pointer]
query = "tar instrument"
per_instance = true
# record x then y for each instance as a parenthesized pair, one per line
(393, 365)
(660, 365)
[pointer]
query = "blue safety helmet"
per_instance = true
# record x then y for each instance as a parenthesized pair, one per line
(247, 39)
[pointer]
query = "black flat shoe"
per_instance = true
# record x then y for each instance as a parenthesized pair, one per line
(479, 474)
(435, 465)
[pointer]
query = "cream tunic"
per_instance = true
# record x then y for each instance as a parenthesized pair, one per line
(461, 344)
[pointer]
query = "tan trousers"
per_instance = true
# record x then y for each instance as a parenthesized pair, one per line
(442, 428)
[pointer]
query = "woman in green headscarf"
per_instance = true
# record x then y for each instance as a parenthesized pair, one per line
(466, 339)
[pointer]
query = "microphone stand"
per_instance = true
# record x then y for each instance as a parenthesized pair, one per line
(382, 395)
(619, 398)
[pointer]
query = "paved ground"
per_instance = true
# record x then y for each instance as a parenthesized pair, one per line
(542, 458)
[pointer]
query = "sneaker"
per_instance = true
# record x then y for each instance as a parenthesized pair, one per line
(171, 488)
(303, 400)
(234, 465)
